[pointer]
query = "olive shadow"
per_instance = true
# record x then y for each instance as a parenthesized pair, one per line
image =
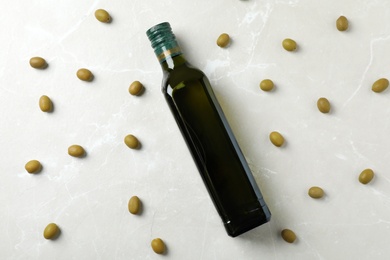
(231, 42)
(57, 235)
(141, 92)
(92, 78)
(44, 66)
(83, 155)
(139, 146)
(141, 209)
(52, 108)
(39, 171)
(166, 251)
(284, 145)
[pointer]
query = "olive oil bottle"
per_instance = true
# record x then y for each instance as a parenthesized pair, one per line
(209, 138)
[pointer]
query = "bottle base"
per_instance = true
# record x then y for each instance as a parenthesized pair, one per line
(237, 227)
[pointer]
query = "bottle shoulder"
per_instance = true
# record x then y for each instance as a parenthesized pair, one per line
(181, 73)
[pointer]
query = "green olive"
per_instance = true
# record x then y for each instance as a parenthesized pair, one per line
(266, 85)
(288, 235)
(316, 192)
(276, 138)
(45, 104)
(323, 105)
(380, 85)
(84, 74)
(51, 231)
(158, 245)
(131, 141)
(223, 40)
(289, 45)
(38, 63)
(342, 23)
(134, 205)
(366, 176)
(33, 166)
(102, 16)
(76, 150)
(135, 88)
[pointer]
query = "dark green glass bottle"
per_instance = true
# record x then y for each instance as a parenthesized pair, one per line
(209, 137)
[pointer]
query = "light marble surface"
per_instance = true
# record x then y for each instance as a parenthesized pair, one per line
(88, 197)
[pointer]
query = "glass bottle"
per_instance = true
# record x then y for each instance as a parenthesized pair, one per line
(209, 137)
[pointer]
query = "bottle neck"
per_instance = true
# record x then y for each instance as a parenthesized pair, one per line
(170, 62)
(165, 46)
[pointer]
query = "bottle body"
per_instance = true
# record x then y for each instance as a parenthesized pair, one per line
(213, 146)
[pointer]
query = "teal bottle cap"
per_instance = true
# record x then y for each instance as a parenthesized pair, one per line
(163, 40)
